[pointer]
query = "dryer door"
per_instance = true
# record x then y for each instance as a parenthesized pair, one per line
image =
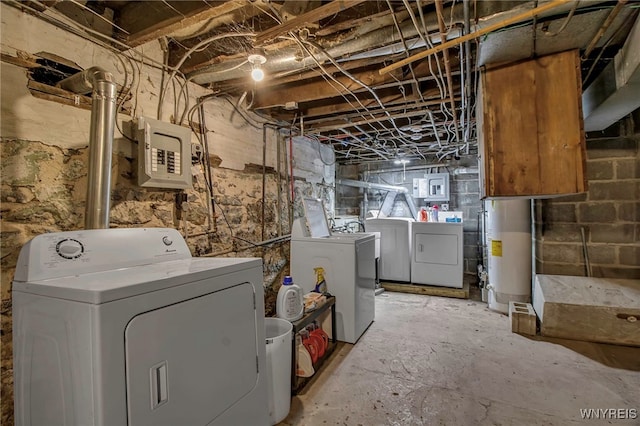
(187, 363)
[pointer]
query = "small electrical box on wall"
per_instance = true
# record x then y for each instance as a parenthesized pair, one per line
(434, 187)
(164, 154)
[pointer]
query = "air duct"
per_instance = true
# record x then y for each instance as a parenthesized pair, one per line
(614, 93)
(371, 185)
(103, 118)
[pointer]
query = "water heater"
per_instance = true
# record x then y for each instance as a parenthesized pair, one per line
(509, 250)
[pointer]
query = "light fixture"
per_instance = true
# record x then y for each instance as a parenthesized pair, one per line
(256, 59)
(404, 162)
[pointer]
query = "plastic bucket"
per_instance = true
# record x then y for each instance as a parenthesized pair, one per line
(278, 340)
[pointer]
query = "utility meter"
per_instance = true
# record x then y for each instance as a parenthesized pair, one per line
(164, 154)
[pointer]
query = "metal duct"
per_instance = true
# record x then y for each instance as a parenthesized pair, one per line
(103, 118)
(371, 185)
(615, 92)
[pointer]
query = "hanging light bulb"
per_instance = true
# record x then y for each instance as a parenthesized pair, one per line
(257, 74)
(256, 59)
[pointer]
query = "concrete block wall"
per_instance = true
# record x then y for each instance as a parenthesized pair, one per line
(464, 196)
(608, 215)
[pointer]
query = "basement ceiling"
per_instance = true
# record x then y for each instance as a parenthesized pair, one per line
(331, 70)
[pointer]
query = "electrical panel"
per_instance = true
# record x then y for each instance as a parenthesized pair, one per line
(164, 154)
(434, 187)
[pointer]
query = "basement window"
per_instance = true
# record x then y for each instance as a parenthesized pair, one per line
(45, 70)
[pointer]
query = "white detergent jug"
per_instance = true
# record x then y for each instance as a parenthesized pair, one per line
(289, 303)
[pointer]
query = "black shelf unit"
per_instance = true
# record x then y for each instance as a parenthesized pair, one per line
(297, 383)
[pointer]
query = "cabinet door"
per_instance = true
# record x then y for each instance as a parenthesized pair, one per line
(187, 363)
(531, 128)
(439, 249)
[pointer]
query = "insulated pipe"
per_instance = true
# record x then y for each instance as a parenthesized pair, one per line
(103, 118)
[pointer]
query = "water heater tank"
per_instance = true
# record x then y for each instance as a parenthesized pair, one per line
(509, 251)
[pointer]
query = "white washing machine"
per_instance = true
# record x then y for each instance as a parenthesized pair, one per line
(395, 247)
(437, 256)
(124, 327)
(348, 261)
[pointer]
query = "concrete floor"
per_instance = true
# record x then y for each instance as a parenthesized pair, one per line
(438, 361)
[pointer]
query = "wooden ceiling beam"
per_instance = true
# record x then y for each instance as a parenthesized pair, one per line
(269, 97)
(342, 107)
(335, 124)
(177, 22)
(346, 125)
(305, 19)
(407, 104)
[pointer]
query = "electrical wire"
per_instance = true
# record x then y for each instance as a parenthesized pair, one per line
(204, 42)
(565, 23)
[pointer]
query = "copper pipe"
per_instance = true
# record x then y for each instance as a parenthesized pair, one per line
(447, 68)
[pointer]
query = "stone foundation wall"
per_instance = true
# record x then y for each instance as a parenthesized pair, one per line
(44, 157)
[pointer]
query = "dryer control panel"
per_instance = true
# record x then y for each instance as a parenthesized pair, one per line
(61, 254)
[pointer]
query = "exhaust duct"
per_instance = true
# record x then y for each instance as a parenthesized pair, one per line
(103, 117)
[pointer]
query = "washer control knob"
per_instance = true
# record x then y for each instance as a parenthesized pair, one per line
(69, 248)
(167, 241)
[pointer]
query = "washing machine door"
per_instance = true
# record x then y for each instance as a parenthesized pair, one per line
(188, 362)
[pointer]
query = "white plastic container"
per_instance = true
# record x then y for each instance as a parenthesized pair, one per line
(278, 340)
(290, 302)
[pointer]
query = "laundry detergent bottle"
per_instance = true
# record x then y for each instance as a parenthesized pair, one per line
(289, 303)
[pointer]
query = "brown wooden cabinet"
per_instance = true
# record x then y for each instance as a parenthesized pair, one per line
(530, 128)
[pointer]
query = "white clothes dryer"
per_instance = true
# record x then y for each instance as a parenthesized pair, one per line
(124, 327)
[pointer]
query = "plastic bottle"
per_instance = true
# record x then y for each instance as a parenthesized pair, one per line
(321, 284)
(289, 303)
(433, 214)
(423, 215)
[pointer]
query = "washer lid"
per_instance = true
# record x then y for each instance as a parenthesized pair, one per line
(106, 286)
(354, 238)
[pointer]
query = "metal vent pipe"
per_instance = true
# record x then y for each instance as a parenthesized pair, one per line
(103, 118)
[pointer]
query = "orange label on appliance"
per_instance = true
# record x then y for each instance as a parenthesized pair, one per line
(496, 248)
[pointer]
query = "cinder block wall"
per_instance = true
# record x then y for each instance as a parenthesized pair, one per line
(608, 214)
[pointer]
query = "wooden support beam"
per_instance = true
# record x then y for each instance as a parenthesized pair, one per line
(314, 15)
(346, 125)
(175, 23)
(393, 98)
(459, 293)
(403, 104)
(269, 97)
(486, 30)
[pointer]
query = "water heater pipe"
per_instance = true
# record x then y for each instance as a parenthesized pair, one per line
(103, 118)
